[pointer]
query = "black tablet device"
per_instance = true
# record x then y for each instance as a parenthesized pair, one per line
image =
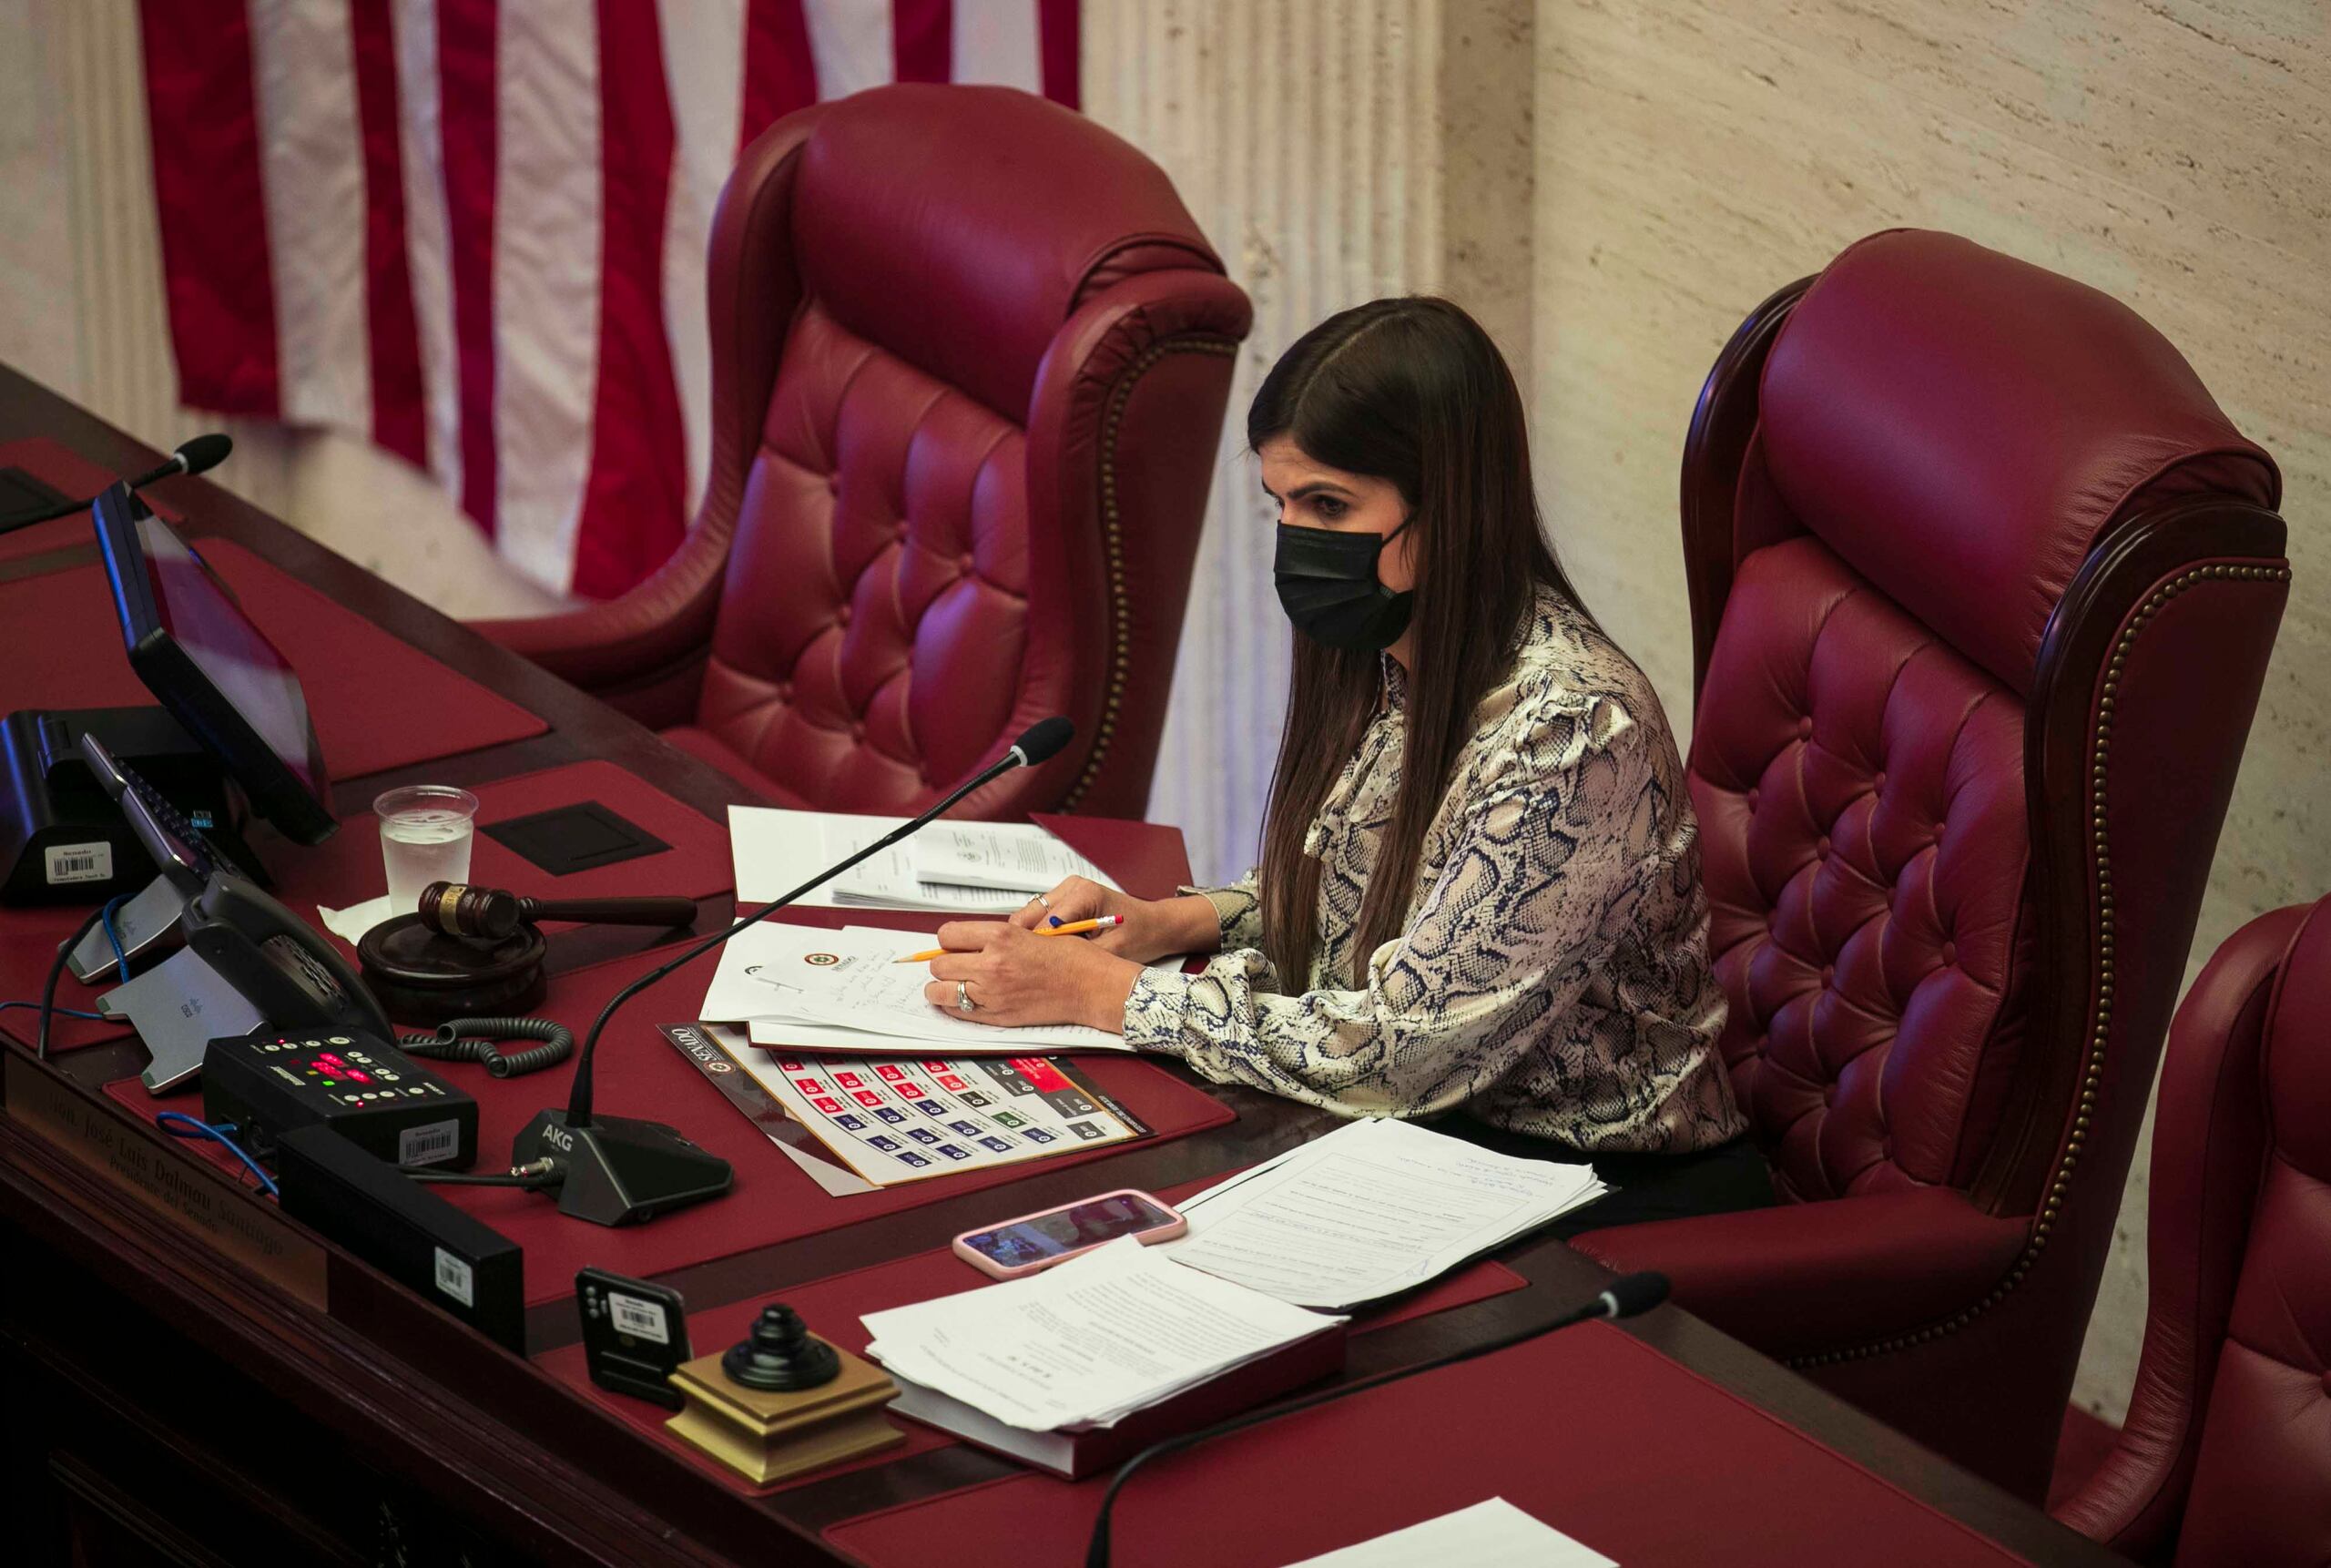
(199, 655)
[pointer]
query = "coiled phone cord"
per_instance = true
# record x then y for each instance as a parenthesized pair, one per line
(457, 1040)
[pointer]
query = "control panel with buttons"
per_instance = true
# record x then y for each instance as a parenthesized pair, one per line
(359, 1085)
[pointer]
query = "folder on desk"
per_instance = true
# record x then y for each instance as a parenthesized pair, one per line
(1081, 1367)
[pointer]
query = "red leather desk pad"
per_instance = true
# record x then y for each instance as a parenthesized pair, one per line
(378, 701)
(639, 1074)
(72, 476)
(833, 1308)
(346, 869)
(1599, 1435)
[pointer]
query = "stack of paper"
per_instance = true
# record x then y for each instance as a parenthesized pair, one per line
(1369, 1210)
(971, 868)
(1087, 1344)
(817, 990)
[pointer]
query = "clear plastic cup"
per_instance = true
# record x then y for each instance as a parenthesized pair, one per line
(426, 834)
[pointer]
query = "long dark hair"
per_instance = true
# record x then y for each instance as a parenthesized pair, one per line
(1411, 390)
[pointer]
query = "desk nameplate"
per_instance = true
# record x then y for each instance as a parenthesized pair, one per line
(167, 1182)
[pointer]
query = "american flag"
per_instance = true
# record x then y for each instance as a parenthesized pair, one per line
(475, 233)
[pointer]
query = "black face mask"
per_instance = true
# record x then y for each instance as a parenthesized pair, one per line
(1328, 584)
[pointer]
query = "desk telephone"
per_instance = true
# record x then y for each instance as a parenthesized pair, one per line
(248, 962)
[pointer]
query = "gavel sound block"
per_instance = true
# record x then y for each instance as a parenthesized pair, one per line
(471, 952)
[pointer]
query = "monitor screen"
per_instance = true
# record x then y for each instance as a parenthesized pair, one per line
(217, 674)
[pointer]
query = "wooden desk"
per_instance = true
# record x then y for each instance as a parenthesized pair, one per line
(166, 1403)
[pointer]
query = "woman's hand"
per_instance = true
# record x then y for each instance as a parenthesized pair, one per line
(1014, 976)
(1153, 929)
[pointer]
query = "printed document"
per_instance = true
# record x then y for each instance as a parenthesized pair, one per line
(778, 851)
(1491, 1535)
(1369, 1210)
(1087, 1343)
(1018, 858)
(813, 989)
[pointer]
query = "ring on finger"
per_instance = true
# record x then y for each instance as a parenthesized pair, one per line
(964, 1001)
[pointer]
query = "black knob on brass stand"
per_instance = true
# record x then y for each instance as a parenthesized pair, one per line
(781, 1355)
(783, 1402)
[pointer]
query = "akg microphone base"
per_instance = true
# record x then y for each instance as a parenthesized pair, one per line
(619, 1170)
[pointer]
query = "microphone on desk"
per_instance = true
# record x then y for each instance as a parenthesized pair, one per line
(1626, 1296)
(200, 455)
(619, 1170)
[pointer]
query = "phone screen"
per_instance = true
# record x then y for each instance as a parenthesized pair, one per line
(1048, 1236)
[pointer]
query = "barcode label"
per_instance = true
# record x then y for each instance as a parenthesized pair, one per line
(80, 863)
(429, 1142)
(456, 1278)
(641, 1320)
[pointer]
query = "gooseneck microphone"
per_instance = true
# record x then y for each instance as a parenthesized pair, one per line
(1623, 1298)
(200, 455)
(617, 1170)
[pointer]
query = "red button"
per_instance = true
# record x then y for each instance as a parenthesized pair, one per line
(1822, 848)
(1829, 972)
(1804, 725)
(1949, 952)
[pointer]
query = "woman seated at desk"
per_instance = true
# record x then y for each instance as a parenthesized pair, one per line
(1479, 888)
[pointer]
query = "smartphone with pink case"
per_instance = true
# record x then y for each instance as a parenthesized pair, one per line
(1037, 1241)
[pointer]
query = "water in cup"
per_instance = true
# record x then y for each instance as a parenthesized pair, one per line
(426, 836)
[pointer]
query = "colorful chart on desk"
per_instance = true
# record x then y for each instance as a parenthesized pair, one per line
(900, 1120)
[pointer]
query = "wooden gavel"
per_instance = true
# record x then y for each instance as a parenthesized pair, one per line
(457, 909)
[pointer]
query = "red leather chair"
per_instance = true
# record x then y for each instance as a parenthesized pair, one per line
(970, 355)
(2225, 1458)
(1983, 585)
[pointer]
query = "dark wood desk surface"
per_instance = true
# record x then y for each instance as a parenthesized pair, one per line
(149, 1372)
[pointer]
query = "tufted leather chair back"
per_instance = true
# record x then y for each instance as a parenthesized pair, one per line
(2225, 1456)
(1983, 588)
(970, 356)
(2261, 1492)
(1941, 441)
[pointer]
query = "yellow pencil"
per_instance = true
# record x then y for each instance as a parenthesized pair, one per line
(1074, 928)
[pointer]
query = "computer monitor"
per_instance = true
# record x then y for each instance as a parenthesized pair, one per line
(214, 671)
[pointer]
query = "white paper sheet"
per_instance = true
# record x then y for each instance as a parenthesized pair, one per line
(1371, 1209)
(890, 881)
(778, 851)
(1018, 858)
(812, 988)
(1087, 1343)
(1490, 1534)
(350, 923)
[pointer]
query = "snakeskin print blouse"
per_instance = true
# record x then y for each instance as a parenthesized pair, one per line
(1553, 977)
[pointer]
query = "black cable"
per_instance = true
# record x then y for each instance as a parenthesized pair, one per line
(1617, 1302)
(535, 1179)
(55, 974)
(455, 1040)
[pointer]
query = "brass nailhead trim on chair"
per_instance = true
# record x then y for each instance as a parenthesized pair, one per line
(2092, 1071)
(1113, 551)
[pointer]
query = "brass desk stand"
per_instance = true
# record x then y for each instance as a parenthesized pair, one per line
(768, 1437)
